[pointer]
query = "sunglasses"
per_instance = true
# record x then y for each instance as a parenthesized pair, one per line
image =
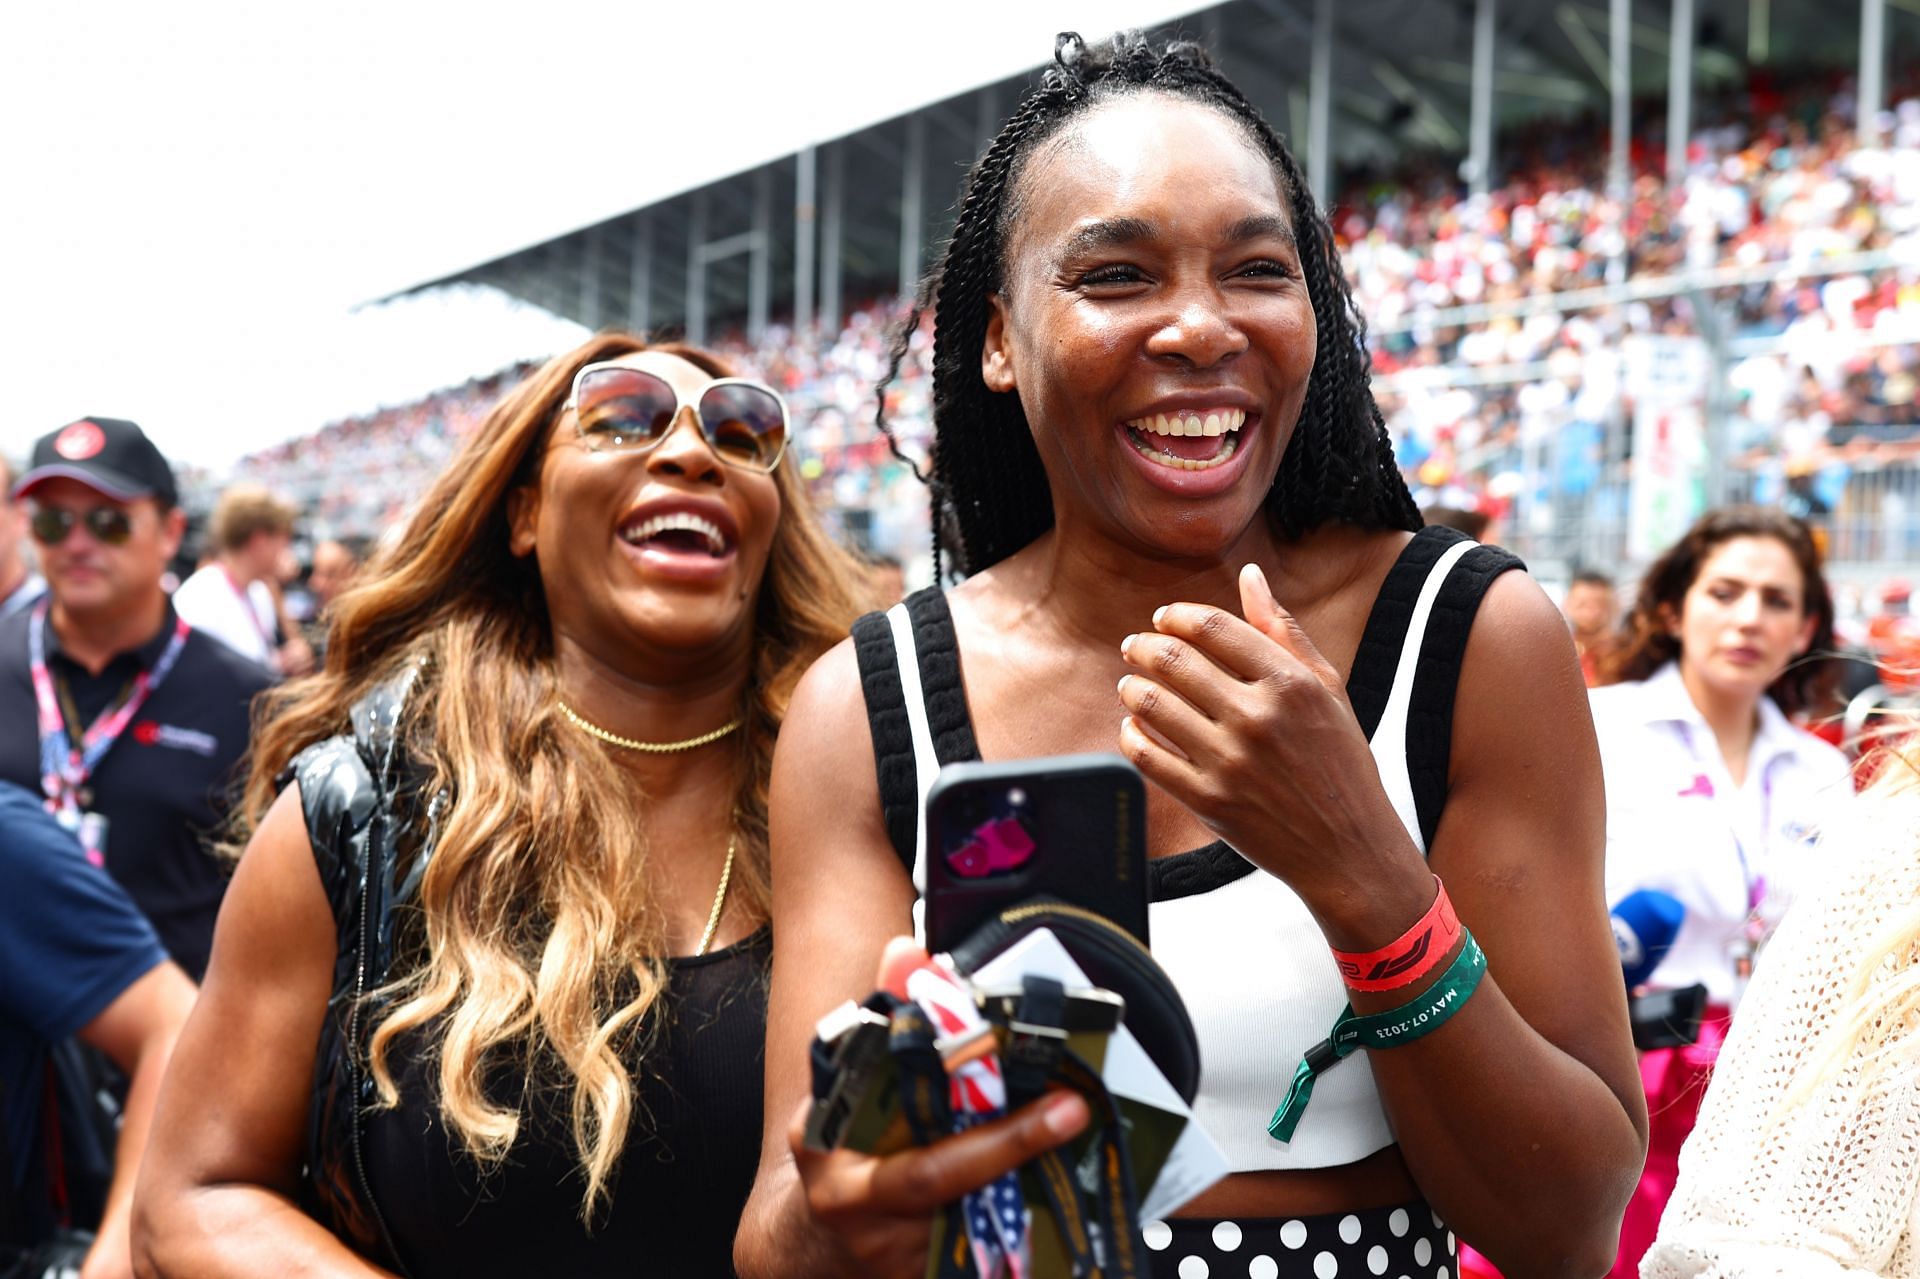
(109, 524)
(620, 409)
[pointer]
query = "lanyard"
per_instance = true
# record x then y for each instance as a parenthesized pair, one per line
(65, 768)
(1702, 785)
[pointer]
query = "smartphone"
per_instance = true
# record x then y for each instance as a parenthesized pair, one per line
(1667, 1018)
(1070, 827)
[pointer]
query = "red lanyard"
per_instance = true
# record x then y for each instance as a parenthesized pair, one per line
(65, 767)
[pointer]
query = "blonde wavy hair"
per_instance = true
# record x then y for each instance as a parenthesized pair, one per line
(543, 938)
(1881, 1004)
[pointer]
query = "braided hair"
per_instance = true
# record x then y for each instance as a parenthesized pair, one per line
(988, 488)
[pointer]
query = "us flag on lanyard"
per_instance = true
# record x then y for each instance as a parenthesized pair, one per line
(996, 1214)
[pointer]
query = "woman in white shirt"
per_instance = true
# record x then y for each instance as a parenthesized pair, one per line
(1712, 792)
(1806, 1158)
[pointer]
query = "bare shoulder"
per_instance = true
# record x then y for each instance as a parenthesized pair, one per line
(824, 775)
(1517, 619)
(1520, 682)
(1524, 759)
(828, 705)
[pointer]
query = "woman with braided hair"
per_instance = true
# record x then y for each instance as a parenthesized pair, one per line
(1157, 463)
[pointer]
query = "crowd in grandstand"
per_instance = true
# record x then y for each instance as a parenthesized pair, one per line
(1822, 365)
(1821, 354)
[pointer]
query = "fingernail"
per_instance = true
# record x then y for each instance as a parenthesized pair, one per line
(1127, 643)
(1122, 685)
(1159, 613)
(1065, 1114)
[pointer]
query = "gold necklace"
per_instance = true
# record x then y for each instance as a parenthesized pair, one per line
(650, 748)
(719, 898)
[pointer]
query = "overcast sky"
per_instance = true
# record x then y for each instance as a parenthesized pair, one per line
(198, 195)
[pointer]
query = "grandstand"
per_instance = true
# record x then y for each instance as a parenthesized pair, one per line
(1617, 262)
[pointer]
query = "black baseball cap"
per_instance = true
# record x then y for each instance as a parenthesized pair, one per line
(108, 454)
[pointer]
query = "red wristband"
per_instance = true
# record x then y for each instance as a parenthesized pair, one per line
(1408, 957)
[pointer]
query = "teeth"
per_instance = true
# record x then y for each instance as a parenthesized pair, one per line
(1227, 449)
(680, 522)
(1216, 423)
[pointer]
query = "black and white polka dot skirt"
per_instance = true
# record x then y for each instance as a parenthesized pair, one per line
(1408, 1242)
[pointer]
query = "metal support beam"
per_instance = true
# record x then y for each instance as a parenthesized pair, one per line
(1320, 103)
(697, 269)
(986, 117)
(1620, 84)
(760, 259)
(590, 312)
(912, 203)
(640, 276)
(1873, 69)
(1759, 30)
(1680, 90)
(803, 232)
(832, 216)
(1480, 129)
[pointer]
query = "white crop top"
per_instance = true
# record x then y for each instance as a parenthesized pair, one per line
(1251, 964)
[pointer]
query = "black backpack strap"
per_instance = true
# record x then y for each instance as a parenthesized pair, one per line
(1430, 712)
(1377, 659)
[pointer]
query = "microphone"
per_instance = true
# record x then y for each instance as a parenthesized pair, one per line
(1644, 925)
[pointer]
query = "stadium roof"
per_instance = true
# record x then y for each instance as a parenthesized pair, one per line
(810, 99)
(720, 237)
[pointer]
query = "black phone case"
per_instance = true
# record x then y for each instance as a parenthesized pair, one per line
(1086, 815)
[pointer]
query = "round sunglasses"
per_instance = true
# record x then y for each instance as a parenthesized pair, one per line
(618, 408)
(50, 525)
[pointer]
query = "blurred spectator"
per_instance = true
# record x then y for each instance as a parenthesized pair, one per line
(140, 719)
(334, 564)
(1473, 523)
(234, 597)
(80, 961)
(889, 580)
(20, 586)
(1711, 793)
(1593, 614)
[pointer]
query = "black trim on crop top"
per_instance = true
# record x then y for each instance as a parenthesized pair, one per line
(1199, 870)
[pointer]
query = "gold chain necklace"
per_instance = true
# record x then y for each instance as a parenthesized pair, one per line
(719, 898)
(650, 748)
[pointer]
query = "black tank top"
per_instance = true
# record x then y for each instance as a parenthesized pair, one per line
(691, 1153)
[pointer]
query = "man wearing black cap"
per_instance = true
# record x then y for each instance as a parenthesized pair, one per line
(131, 726)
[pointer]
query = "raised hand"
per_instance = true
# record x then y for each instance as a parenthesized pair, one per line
(1243, 720)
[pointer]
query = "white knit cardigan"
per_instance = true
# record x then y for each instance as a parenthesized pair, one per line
(1831, 1187)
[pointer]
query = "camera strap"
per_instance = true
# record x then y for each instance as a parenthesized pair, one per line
(1095, 1206)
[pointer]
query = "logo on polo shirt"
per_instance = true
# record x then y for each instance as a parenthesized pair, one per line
(80, 441)
(149, 733)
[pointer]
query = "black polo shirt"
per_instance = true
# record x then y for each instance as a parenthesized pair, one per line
(166, 784)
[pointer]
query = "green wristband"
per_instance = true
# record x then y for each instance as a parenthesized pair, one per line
(1422, 1015)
